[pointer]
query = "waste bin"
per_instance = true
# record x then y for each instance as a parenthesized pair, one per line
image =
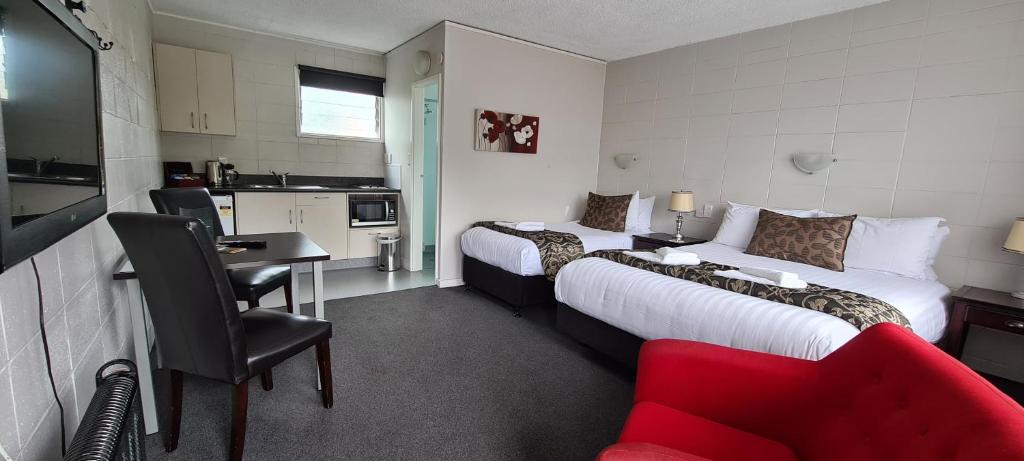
(387, 252)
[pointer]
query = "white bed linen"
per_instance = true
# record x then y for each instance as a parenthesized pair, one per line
(651, 305)
(520, 256)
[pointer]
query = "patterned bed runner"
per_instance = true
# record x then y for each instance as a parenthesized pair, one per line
(556, 248)
(859, 310)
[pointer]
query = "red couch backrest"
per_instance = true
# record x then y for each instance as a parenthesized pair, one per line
(887, 394)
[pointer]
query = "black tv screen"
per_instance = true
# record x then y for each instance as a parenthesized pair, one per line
(49, 103)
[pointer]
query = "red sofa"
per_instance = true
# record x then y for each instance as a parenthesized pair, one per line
(885, 395)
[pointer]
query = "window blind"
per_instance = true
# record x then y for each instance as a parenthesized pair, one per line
(341, 81)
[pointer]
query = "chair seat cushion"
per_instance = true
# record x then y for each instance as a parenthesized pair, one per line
(650, 422)
(254, 282)
(272, 336)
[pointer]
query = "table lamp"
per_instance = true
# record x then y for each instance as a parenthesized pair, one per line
(682, 202)
(1015, 244)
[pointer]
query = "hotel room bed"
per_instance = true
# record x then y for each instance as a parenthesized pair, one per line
(510, 268)
(622, 305)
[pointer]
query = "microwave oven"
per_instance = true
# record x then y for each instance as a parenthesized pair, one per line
(373, 210)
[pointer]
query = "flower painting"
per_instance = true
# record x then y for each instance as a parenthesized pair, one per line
(501, 132)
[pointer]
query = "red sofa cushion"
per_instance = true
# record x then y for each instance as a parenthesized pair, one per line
(654, 423)
(644, 452)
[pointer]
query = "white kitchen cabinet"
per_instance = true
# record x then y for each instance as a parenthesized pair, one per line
(362, 243)
(323, 217)
(195, 90)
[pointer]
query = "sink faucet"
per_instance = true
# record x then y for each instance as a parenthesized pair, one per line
(281, 178)
(39, 166)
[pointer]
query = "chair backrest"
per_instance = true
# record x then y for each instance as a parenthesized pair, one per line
(195, 316)
(188, 201)
(888, 394)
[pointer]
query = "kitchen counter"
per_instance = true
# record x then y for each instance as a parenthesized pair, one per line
(296, 183)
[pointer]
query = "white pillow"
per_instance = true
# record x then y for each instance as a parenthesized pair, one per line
(900, 246)
(633, 212)
(937, 239)
(740, 221)
(644, 218)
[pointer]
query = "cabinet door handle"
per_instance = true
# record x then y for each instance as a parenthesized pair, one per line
(300, 217)
(192, 119)
(320, 197)
(206, 121)
(1014, 324)
(290, 217)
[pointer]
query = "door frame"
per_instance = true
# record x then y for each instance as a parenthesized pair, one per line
(416, 213)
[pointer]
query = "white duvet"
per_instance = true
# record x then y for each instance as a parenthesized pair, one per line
(520, 256)
(651, 305)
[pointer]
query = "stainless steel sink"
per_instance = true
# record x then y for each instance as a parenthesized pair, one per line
(278, 186)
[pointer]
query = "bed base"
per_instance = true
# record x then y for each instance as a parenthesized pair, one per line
(621, 346)
(516, 290)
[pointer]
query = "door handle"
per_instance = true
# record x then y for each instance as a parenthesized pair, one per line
(300, 217)
(206, 121)
(290, 217)
(192, 119)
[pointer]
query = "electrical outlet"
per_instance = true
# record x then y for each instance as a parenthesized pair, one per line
(708, 210)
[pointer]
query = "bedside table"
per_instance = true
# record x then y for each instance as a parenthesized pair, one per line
(658, 240)
(988, 308)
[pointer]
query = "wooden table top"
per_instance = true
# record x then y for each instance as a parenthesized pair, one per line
(282, 248)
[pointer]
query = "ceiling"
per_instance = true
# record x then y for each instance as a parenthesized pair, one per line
(604, 29)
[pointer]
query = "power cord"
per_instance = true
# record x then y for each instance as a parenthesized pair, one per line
(49, 364)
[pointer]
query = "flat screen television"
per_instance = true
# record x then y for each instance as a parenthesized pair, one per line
(52, 181)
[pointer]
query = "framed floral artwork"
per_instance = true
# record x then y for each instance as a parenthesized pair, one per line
(501, 132)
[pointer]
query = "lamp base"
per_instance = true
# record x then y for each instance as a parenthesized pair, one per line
(1018, 294)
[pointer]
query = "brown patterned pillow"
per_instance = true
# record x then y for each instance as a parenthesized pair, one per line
(606, 212)
(816, 241)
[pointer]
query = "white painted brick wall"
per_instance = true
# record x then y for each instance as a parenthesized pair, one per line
(86, 313)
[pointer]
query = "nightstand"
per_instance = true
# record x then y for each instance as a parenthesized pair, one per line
(658, 240)
(988, 308)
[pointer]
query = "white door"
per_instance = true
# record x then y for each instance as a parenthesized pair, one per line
(177, 89)
(216, 83)
(265, 212)
(327, 225)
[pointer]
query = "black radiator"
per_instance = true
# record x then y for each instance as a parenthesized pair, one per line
(112, 428)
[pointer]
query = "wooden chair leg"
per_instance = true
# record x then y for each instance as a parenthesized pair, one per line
(267, 380)
(239, 413)
(171, 432)
(288, 296)
(323, 363)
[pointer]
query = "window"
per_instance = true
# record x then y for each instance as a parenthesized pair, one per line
(339, 104)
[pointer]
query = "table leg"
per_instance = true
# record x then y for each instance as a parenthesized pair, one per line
(137, 309)
(295, 289)
(318, 298)
(318, 289)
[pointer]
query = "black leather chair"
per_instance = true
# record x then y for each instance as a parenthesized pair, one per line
(249, 285)
(198, 327)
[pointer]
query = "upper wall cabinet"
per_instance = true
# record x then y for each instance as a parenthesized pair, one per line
(195, 90)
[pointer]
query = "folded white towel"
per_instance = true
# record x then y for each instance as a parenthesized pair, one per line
(679, 259)
(735, 274)
(666, 251)
(776, 276)
(522, 225)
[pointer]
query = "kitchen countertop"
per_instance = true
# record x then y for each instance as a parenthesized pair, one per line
(267, 183)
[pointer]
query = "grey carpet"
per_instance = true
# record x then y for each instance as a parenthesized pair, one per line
(422, 374)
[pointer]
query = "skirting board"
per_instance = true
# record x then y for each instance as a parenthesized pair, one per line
(450, 283)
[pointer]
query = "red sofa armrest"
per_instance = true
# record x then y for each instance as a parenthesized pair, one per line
(644, 452)
(731, 386)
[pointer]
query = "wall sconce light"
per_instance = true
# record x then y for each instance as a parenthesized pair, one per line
(811, 162)
(626, 161)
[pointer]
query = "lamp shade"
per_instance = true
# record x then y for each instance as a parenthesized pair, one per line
(682, 201)
(1015, 241)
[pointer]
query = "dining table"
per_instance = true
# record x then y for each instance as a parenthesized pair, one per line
(292, 248)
